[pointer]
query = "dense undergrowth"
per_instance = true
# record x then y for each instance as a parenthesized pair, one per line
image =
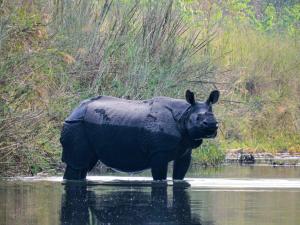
(54, 54)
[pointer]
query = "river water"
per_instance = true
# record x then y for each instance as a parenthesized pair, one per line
(233, 195)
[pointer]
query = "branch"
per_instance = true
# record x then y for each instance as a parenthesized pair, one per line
(206, 82)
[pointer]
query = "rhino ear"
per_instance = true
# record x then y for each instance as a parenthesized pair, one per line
(189, 96)
(213, 97)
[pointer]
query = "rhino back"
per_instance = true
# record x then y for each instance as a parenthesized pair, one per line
(153, 115)
(116, 112)
(124, 133)
(78, 113)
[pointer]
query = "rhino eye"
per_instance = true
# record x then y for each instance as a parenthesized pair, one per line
(199, 117)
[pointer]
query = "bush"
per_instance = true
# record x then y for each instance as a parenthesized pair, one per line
(209, 154)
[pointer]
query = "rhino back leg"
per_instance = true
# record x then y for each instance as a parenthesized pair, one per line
(77, 152)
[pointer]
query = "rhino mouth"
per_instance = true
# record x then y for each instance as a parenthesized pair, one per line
(209, 133)
(212, 135)
(197, 134)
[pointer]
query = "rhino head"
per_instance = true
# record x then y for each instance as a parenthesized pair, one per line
(200, 121)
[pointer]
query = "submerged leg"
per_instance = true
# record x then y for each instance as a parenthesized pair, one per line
(78, 174)
(159, 166)
(74, 174)
(181, 166)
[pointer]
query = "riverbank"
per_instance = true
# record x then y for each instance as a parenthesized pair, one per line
(231, 157)
(276, 159)
(204, 160)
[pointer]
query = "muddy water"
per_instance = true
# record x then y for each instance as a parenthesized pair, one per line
(230, 195)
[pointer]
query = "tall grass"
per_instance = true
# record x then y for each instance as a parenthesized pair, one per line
(121, 48)
(61, 52)
(263, 71)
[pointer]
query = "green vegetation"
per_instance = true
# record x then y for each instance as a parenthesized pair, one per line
(54, 54)
(208, 154)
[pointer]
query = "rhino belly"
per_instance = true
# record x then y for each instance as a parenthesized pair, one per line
(119, 147)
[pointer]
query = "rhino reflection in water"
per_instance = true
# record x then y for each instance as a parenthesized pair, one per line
(133, 136)
(81, 206)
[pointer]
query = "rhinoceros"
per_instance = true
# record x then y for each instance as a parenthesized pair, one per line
(134, 135)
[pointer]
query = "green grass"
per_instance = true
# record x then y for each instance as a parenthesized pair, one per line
(209, 153)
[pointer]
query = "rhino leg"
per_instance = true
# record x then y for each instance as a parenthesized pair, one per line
(74, 174)
(77, 153)
(78, 174)
(181, 166)
(159, 166)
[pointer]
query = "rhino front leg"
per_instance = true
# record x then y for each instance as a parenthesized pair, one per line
(159, 166)
(181, 166)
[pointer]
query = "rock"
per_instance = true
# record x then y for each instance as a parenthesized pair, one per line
(42, 174)
(247, 158)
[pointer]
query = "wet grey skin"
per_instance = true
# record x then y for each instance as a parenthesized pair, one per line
(132, 136)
